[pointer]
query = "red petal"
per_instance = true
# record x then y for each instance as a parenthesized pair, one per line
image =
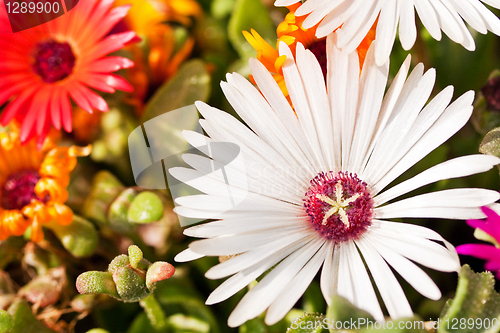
(97, 81)
(42, 107)
(12, 109)
(109, 44)
(94, 99)
(110, 64)
(66, 112)
(55, 109)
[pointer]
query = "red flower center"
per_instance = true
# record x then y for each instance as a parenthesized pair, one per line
(54, 61)
(339, 205)
(19, 189)
(318, 48)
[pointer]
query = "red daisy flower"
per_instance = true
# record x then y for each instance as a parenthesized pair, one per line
(42, 66)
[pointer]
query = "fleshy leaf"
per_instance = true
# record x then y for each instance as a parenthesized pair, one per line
(79, 237)
(117, 213)
(25, 321)
(491, 143)
(6, 321)
(145, 208)
(95, 282)
(105, 188)
(475, 298)
(308, 323)
(190, 84)
(341, 310)
(244, 18)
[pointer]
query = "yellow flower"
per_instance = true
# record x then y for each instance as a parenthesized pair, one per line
(33, 183)
(290, 31)
(148, 13)
(162, 54)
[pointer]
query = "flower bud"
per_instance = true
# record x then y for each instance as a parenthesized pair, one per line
(129, 278)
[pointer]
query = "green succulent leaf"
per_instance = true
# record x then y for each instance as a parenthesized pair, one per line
(476, 303)
(24, 321)
(6, 321)
(308, 323)
(190, 84)
(247, 15)
(145, 208)
(79, 237)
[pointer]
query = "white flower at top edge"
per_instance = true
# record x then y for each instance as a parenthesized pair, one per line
(315, 178)
(358, 16)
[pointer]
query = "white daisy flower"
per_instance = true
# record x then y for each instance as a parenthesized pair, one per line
(315, 178)
(358, 16)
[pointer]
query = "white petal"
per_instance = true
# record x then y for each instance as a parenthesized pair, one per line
(423, 205)
(415, 276)
(237, 282)
(311, 5)
(390, 100)
(236, 244)
(187, 255)
(331, 13)
(470, 14)
(362, 288)
(387, 284)
(254, 256)
(373, 81)
(295, 289)
(355, 29)
(457, 167)
(429, 19)
(246, 223)
(386, 31)
(283, 3)
(300, 101)
(266, 291)
(271, 91)
(315, 89)
(449, 122)
(413, 97)
(491, 20)
(329, 273)
(343, 85)
(407, 27)
(415, 243)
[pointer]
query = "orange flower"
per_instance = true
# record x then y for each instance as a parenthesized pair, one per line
(290, 31)
(161, 54)
(148, 13)
(43, 66)
(33, 183)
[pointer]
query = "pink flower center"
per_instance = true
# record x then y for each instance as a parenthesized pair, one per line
(339, 205)
(19, 189)
(54, 61)
(318, 48)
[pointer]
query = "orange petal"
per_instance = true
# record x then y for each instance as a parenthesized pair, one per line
(36, 231)
(62, 214)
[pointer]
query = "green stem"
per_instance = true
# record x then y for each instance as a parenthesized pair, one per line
(154, 312)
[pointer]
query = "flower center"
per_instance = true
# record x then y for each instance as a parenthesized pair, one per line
(19, 189)
(54, 61)
(318, 48)
(339, 205)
